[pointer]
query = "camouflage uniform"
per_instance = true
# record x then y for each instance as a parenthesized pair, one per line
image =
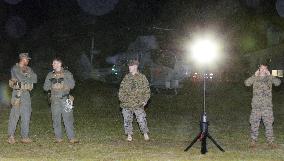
(134, 90)
(22, 83)
(262, 104)
(60, 84)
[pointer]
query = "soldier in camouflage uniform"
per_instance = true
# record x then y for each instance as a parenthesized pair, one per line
(59, 82)
(134, 94)
(22, 80)
(261, 104)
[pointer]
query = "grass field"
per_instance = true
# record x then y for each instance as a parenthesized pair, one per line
(173, 122)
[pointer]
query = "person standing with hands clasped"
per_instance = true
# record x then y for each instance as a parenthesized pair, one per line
(134, 93)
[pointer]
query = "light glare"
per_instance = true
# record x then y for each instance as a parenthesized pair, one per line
(204, 50)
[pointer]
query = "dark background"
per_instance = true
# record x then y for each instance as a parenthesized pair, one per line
(48, 28)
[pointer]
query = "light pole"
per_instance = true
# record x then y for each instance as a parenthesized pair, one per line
(204, 51)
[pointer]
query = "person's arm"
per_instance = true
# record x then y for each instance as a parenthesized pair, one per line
(32, 76)
(47, 83)
(13, 82)
(13, 74)
(250, 80)
(123, 93)
(146, 92)
(69, 82)
(17, 74)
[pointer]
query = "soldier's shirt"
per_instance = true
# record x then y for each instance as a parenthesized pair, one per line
(262, 89)
(134, 90)
(67, 83)
(27, 76)
(24, 77)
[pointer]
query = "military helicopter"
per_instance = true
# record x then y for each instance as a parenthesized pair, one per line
(159, 75)
(164, 68)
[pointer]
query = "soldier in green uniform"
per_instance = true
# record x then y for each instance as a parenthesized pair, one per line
(22, 80)
(134, 93)
(59, 82)
(261, 104)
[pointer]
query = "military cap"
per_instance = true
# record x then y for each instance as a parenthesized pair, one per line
(24, 55)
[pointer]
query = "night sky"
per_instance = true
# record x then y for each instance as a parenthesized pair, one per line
(68, 25)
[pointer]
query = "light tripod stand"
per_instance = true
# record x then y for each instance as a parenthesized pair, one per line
(204, 134)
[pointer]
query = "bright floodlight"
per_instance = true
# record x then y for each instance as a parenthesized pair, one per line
(204, 51)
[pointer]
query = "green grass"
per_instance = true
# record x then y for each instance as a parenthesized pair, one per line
(173, 123)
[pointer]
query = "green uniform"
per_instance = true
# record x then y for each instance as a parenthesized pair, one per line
(262, 104)
(134, 91)
(60, 84)
(22, 81)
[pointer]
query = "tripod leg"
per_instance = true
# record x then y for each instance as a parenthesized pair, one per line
(204, 144)
(193, 141)
(210, 137)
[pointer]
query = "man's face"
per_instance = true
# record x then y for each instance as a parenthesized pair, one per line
(56, 65)
(263, 70)
(133, 69)
(24, 61)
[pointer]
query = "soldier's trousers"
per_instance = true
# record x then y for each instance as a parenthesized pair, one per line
(266, 115)
(57, 110)
(128, 119)
(24, 111)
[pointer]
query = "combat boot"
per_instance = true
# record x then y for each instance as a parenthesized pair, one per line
(252, 144)
(146, 137)
(58, 140)
(26, 140)
(73, 141)
(129, 138)
(11, 140)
